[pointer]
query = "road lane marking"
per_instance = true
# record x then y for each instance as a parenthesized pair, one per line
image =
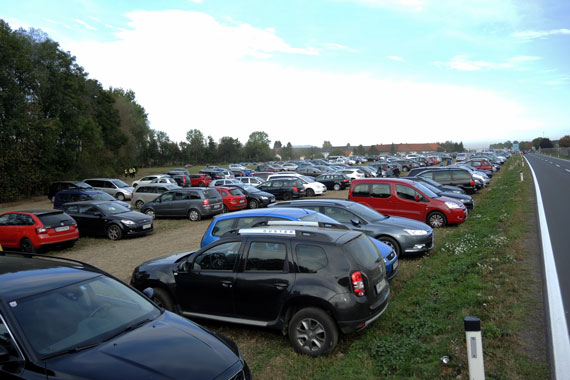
(558, 327)
(567, 170)
(557, 165)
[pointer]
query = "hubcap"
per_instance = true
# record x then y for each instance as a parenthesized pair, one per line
(437, 221)
(311, 334)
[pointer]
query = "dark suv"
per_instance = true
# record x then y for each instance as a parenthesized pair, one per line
(64, 185)
(64, 319)
(193, 203)
(308, 282)
(283, 188)
(448, 176)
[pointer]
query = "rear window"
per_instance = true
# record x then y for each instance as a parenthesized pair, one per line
(235, 192)
(363, 251)
(52, 220)
(310, 258)
(461, 175)
(212, 194)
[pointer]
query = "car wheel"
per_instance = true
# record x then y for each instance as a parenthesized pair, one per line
(121, 196)
(27, 246)
(139, 204)
(436, 219)
(313, 332)
(391, 243)
(310, 193)
(336, 186)
(253, 203)
(114, 232)
(163, 299)
(194, 215)
(225, 209)
(150, 212)
(287, 196)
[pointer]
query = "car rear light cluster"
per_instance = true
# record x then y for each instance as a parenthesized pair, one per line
(358, 284)
(472, 183)
(205, 202)
(41, 230)
(295, 189)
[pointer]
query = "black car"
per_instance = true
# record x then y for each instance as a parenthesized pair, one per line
(446, 188)
(467, 200)
(214, 173)
(105, 218)
(446, 175)
(182, 180)
(64, 185)
(334, 181)
(283, 188)
(405, 236)
(308, 282)
(64, 319)
(255, 197)
(192, 203)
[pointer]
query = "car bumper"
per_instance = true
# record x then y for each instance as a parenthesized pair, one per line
(350, 326)
(420, 244)
(142, 229)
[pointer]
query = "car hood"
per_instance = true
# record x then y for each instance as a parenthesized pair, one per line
(169, 259)
(456, 196)
(263, 194)
(135, 216)
(400, 222)
(170, 347)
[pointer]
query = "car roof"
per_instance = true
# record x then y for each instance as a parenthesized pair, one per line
(83, 191)
(340, 236)
(22, 276)
(93, 202)
(389, 180)
(293, 213)
(37, 212)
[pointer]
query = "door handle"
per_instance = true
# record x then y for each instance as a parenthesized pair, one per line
(281, 285)
(227, 284)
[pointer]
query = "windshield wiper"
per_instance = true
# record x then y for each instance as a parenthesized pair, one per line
(71, 350)
(129, 328)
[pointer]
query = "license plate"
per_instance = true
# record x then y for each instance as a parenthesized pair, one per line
(395, 265)
(146, 226)
(380, 286)
(59, 229)
(241, 201)
(216, 206)
(272, 200)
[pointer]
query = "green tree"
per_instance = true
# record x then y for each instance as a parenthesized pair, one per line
(196, 145)
(373, 150)
(546, 143)
(257, 147)
(277, 145)
(392, 149)
(229, 149)
(287, 152)
(536, 142)
(337, 152)
(564, 142)
(327, 146)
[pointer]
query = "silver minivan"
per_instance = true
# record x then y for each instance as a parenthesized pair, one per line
(113, 186)
(148, 192)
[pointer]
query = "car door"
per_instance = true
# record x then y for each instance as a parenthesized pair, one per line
(409, 203)
(90, 219)
(162, 206)
(10, 231)
(264, 279)
(345, 217)
(207, 287)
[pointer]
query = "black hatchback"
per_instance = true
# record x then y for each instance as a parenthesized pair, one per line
(283, 188)
(64, 319)
(106, 218)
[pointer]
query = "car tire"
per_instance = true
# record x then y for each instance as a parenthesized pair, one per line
(312, 332)
(163, 299)
(139, 204)
(253, 203)
(225, 209)
(150, 212)
(114, 232)
(27, 246)
(391, 243)
(194, 215)
(436, 219)
(336, 186)
(310, 193)
(287, 196)
(120, 196)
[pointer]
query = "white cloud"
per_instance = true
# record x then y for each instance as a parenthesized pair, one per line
(190, 71)
(395, 58)
(464, 63)
(86, 25)
(541, 33)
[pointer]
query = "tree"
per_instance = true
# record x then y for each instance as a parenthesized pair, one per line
(546, 143)
(211, 154)
(359, 150)
(229, 149)
(257, 147)
(373, 151)
(277, 145)
(564, 142)
(196, 145)
(536, 142)
(337, 152)
(393, 149)
(327, 146)
(287, 152)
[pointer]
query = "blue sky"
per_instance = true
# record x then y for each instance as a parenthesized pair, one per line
(345, 71)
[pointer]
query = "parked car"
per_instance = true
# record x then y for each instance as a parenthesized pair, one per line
(479, 164)
(253, 181)
(309, 171)
(74, 195)
(65, 319)
(57, 186)
(213, 173)
(255, 197)
(222, 224)
(405, 236)
(224, 182)
(149, 192)
(232, 197)
(178, 171)
(311, 186)
(148, 179)
(461, 157)
(193, 203)
(34, 230)
(448, 175)
(266, 168)
(408, 199)
(467, 200)
(104, 218)
(112, 186)
(165, 180)
(334, 181)
(283, 188)
(312, 283)
(182, 180)
(237, 167)
(352, 173)
(446, 188)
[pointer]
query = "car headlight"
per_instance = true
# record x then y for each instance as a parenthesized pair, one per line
(128, 222)
(452, 205)
(264, 198)
(416, 232)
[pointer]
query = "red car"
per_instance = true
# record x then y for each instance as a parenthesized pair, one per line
(233, 198)
(408, 199)
(200, 180)
(479, 163)
(31, 231)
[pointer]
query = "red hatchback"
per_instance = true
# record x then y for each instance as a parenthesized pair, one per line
(479, 164)
(200, 180)
(33, 230)
(233, 198)
(408, 199)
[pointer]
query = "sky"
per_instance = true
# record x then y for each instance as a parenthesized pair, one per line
(308, 71)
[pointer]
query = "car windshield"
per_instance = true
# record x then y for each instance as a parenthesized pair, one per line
(432, 188)
(307, 179)
(425, 190)
(366, 212)
(102, 196)
(83, 185)
(251, 189)
(235, 192)
(318, 217)
(120, 183)
(430, 181)
(111, 208)
(79, 315)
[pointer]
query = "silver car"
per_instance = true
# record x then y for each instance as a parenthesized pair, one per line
(113, 186)
(149, 192)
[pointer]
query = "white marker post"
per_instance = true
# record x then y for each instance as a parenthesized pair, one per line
(522, 176)
(474, 348)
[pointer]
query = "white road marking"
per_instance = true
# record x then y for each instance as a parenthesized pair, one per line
(557, 165)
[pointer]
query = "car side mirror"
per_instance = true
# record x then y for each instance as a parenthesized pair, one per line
(149, 293)
(417, 198)
(185, 266)
(355, 221)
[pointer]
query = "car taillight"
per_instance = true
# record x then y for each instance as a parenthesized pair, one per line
(184, 179)
(41, 230)
(205, 202)
(295, 189)
(472, 183)
(358, 284)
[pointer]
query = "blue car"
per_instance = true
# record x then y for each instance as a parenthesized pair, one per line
(250, 218)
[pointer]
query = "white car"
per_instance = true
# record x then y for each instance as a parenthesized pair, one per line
(252, 181)
(311, 186)
(353, 173)
(237, 167)
(169, 180)
(225, 182)
(147, 179)
(290, 166)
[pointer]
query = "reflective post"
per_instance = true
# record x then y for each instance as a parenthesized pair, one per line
(474, 348)
(522, 176)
